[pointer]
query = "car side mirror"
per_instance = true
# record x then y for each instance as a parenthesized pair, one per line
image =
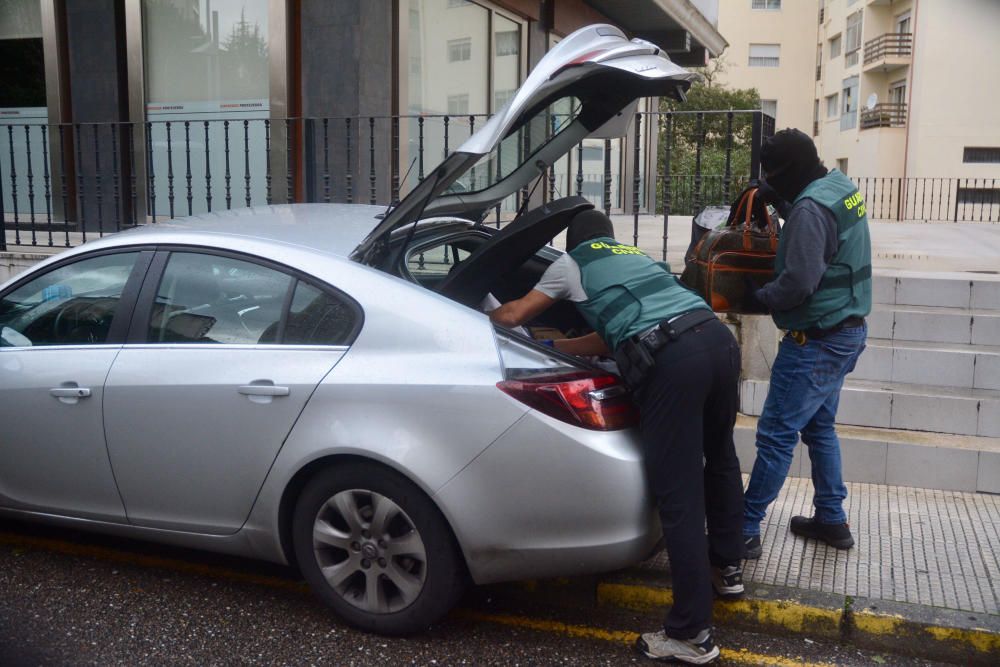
(11, 338)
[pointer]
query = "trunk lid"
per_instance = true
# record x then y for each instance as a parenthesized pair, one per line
(587, 85)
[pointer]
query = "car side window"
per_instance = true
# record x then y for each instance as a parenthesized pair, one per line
(205, 298)
(317, 317)
(71, 305)
(431, 265)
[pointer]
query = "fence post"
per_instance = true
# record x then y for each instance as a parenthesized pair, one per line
(635, 180)
(756, 141)
(607, 177)
(666, 181)
(899, 200)
(700, 132)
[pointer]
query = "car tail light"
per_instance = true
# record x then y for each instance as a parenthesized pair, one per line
(591, 400)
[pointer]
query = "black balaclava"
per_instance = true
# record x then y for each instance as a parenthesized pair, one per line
(790, 163)
(586, 225)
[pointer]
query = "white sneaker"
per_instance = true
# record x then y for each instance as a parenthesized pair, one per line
(698, 651)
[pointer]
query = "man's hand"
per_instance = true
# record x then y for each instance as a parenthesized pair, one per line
(750, 301)
(519, 311)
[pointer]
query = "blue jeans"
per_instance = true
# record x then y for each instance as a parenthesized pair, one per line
(803, 398)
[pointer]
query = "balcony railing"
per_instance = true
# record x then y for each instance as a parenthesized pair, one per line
(887, 114)
(888, 45)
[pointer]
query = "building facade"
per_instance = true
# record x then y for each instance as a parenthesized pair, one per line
(191, 102)
(771, 49)
(889, 88)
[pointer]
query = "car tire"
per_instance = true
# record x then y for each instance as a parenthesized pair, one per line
(376, 549)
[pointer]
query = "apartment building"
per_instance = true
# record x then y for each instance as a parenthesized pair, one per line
(889, 88)
(771, 48)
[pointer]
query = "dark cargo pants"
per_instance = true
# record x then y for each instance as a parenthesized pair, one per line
(688, 408)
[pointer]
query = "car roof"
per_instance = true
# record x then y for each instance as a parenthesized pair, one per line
(330, 228)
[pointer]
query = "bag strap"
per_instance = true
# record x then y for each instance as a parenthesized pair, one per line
(772, 232)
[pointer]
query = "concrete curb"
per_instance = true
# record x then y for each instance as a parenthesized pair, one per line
(901, 628)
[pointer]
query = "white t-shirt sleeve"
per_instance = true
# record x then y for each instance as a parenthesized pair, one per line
(562, 280)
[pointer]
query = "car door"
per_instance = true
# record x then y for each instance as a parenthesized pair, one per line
(223, 353)
(61, 331)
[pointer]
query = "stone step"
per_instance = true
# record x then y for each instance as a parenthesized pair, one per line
(944, 289)
(915, 407)
(942, 364)
(931, 324)
(896, 457)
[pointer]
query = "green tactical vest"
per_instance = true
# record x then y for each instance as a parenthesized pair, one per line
(627, 292)
(846, 287)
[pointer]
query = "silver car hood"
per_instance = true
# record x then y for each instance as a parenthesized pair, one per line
(597, 65)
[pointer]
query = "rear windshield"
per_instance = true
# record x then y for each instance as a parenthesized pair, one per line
(518, 147)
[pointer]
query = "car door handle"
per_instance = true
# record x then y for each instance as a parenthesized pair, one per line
(70, 392)
(263, 390)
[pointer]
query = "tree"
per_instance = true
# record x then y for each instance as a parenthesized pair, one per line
(710, 130)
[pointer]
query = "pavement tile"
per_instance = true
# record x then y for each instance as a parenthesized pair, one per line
(921, 546)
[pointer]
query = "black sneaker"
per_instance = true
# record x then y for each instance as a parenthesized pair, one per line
(728, 581)
(837, 536)
(752, 549)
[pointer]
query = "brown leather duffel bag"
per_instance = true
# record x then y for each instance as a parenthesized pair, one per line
(726, 258)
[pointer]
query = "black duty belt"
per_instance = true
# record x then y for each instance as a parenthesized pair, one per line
(669, 330)
(815, 333)
(635, 356)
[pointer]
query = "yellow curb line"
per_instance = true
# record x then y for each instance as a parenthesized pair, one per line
(880, 625)
(784, 614)
(797, 617)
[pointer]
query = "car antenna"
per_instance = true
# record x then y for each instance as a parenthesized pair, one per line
(393, 204)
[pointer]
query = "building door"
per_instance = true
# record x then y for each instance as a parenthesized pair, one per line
(23, 112)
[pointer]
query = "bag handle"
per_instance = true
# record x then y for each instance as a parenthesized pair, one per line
(772, 232)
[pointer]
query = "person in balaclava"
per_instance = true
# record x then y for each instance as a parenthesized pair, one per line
(683, 366)
(821, 293)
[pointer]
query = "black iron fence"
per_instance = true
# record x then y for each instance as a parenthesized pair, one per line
(61, 185)
(931, 199)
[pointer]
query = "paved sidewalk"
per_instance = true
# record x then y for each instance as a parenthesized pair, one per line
(935, 548)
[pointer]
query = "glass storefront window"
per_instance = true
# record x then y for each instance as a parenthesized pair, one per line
(463, 59)
(206, 62)
(23, 112)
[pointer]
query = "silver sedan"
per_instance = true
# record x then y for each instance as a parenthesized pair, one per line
(313, 384)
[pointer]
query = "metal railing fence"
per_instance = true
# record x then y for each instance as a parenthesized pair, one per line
(889, 44)
(61, 185)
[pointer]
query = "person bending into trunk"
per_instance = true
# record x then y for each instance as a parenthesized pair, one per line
(821, 293)
(683, 366)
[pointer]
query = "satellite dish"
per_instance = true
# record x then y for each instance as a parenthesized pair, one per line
(871, 102)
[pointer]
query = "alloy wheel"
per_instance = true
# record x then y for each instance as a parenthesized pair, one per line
(369, 551)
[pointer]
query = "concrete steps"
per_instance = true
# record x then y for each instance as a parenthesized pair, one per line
(922, 408)
(897, 457)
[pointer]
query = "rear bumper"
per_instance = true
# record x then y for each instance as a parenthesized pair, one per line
(549, 499)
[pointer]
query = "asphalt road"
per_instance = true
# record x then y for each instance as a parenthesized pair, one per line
(69, 598)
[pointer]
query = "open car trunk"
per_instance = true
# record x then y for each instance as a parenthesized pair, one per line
(586, 86)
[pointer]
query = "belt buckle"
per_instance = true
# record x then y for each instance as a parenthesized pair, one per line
(798, 336)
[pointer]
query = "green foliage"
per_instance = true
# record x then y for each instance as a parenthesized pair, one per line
(717, 133)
